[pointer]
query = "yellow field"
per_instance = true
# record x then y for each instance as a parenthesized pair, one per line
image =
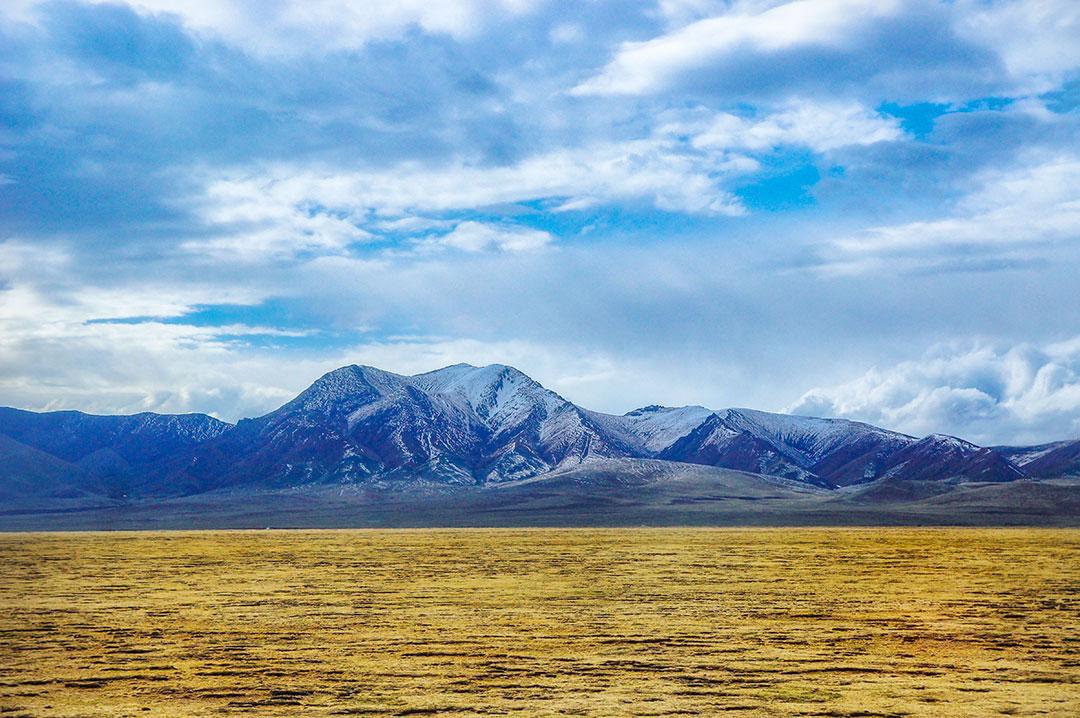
(809, 622)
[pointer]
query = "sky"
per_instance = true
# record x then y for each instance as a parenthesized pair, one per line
(855, 208)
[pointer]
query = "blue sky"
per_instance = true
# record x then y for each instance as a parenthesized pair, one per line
(850, 208)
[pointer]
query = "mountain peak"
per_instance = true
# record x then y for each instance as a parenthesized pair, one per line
(344, 389)
(947, 441)
(350, 371)
(492, 391)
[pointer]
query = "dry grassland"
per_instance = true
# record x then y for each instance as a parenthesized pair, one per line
(757, 622)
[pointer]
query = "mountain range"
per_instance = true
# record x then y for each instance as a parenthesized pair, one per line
(465, 428)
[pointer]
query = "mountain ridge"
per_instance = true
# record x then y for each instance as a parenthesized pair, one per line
(464, 425)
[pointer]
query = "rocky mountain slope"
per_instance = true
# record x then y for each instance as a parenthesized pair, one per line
(469, 426)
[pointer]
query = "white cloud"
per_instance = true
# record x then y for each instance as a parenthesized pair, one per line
(61, 361)
(18, 257)
(1038, 40)
(821, 126)
(643, 67)
(567, 34)
(63, 348)
(411, 225)
(681, 12)
(265, 230)
(477, 237)
(18, 11)
(283, 210)
(987, 394)
(149, 366)
(319, 25)
(652, 170)
(66, 343)
(1035, 39)
(1036, 203)
(26, 309)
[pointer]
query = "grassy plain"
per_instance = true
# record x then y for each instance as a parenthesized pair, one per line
(647, 622)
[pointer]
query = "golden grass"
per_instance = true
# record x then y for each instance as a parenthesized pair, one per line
(810, 622)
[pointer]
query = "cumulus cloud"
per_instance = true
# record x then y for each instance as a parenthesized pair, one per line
(253, 229)
(477, 237)
(648, 66)
(987, 394)
(684, 166)
(64, 344)
(820, 126)
(1036, 39)
(1032, 204)
(288, 209)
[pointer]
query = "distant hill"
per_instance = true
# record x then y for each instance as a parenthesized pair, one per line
(467, 429)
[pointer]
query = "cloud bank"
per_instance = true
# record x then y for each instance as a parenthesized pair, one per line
(1019, 394)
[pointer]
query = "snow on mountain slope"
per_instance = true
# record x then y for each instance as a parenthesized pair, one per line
(501, 396)
(654, 428)
(343, 392)
(820, 451)
(1064, 460)
(1024, 455)
(812, 439)
(532, 429)
(461, 424)
(939, 456)
(509, 402)
(355, 423)
(718, 442)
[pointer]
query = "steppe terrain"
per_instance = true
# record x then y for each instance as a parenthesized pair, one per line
(595, 622)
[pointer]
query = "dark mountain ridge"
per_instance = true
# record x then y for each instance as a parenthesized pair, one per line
(468, 426)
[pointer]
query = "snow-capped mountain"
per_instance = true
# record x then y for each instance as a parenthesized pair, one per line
(939, 457)
(530, 429)
(826, 446)
(461, 424)
(350, 425)
(467, 425)
(655, 428)
(484, 425)
(1024, 455)
(827, 452)
(719, 442)
(1063, 459)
